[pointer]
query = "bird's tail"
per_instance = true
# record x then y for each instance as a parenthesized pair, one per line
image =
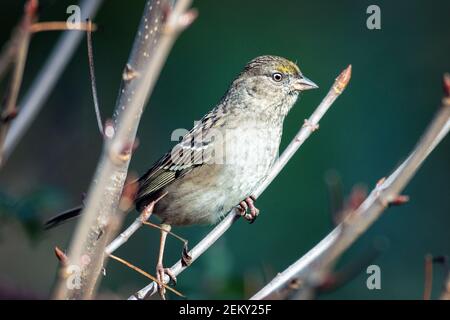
(63, 217)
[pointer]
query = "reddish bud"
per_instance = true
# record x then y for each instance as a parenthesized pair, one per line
(31, 7)
(399, 200)
(343, 79)
(446, 84)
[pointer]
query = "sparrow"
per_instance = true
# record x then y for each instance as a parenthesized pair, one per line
(219, 163)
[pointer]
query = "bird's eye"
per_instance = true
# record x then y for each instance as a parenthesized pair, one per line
(277, 76)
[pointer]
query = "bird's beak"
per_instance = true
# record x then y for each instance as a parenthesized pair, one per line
(304, 84)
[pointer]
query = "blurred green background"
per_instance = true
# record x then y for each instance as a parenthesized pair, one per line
(394, 92)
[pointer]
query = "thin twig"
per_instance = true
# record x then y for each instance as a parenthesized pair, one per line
(92, 74)
(308, 127)
(23, 41)
(145, 274)
(60, 26)
(43, 84)
(154, 225)
(156, 34)
(312, 266)
(428, 277)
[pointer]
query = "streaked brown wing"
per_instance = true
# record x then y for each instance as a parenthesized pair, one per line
(191, 152)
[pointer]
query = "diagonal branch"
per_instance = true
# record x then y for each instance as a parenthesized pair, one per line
(308, 127)
(158, 29)
(310, 269)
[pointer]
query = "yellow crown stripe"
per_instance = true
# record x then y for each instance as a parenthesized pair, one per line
(290, 68)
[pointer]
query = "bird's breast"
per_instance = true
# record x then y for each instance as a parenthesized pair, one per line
(239, 160)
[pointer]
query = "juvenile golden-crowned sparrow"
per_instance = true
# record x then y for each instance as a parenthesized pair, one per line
(220, 162)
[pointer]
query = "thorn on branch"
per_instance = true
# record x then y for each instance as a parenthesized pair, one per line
(311, 126)
(187, 18)
(61, 256)
(378, 189)
(380, 182)
(183, 21)
(129, 73)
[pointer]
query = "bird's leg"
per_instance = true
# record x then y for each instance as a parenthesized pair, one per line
(160, 270)
(186, 258)
(248, 210)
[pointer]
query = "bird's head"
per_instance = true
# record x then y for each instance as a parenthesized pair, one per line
(271, 82)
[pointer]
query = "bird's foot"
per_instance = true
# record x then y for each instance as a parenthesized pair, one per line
(248, 210)
(160, 273)
(186, 258)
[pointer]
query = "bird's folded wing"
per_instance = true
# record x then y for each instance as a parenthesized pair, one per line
(191, 152)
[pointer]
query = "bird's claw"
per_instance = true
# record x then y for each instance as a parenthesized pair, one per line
(186, 258)
(160, 274)
(248, 210)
